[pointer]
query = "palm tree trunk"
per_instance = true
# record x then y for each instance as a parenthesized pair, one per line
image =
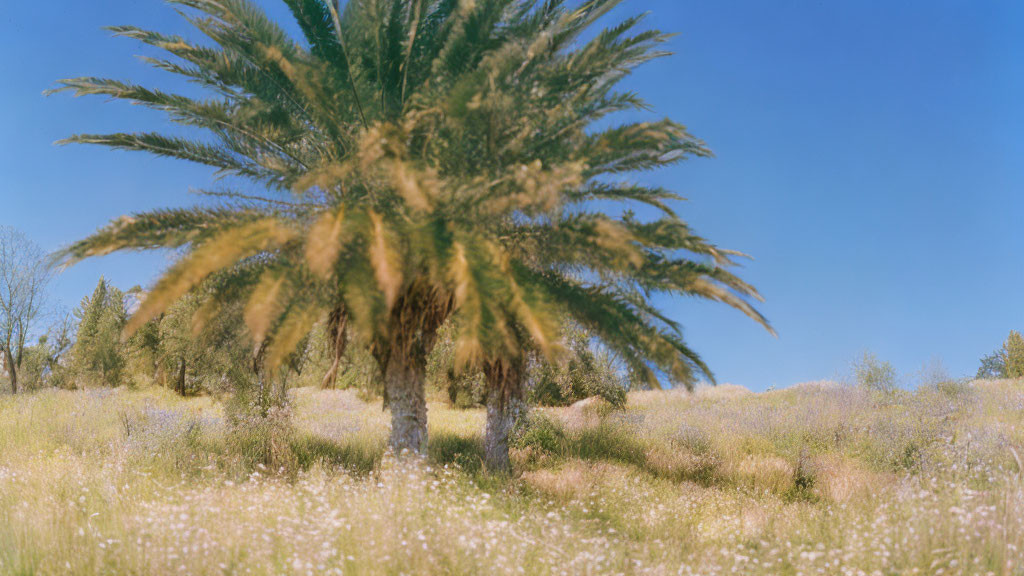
(404, 389)
(505, 406)
(415, 319)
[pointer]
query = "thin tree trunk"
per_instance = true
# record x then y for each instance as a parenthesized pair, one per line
(505, 406)
(336, 326)
(12, 370)
(181, 377)
(404, 387)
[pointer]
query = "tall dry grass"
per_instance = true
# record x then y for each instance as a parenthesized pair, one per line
(814, 479)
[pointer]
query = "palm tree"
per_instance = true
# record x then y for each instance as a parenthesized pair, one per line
(416, 160)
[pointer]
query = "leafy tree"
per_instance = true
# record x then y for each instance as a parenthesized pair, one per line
(212, 355)
(24, 275)
(33, 368)
(1007, 361)
(44, 363)
(59, 342)
(587, 372)
(875, 374)
(423, 160)
(993, 366)
(1013, 355)
(179, 351)
(144, 351)
(99, 350)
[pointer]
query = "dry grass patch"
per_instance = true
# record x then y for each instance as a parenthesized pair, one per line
(572, 479)
(840, 479)
(821, 479)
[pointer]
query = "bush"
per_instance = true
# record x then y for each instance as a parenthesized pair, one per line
(540, 433)
(609, 441)
(955, 387)
(874, 374)
(264, 439)
(448, 448)
(803, 481)
(260, 430)
(693, 439)
(562, 387)
(359, 371)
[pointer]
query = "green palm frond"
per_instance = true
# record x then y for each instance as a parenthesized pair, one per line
(424, 159)
(155, 230)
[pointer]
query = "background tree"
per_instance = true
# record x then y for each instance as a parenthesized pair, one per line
(587, 371)
(181, 356)
(24, 275)
(99, 351)
(59, 342)
(211, 355)
(144, 351)
(875, 374)
(1013, 355)
(993, 366)
(44, 364)
(1007, 361)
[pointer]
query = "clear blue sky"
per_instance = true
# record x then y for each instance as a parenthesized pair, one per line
(869, 155)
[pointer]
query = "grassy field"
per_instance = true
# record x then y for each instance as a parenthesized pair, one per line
(814, 479)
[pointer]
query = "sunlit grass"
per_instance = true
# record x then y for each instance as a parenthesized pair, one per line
(818, 478)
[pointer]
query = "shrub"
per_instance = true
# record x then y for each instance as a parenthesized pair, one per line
(874, 374)
(448, 448)
(609, 441)
(260, 430)
(934, 375)
(954, 387)
(803, 481)
(693, 439)
(538, 432)
(359, 371)
(264, 440)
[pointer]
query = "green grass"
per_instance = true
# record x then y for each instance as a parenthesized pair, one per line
(814, 479)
